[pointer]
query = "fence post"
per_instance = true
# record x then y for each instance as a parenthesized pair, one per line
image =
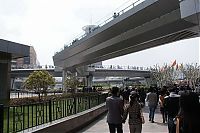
(89, 102)
(75, 111)
(1, 117)
(50, 111)
(98, 99)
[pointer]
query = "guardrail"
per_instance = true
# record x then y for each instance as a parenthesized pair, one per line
(129, 67)
(101, 23)
(118, 67)
(32, 66)
(18, 118)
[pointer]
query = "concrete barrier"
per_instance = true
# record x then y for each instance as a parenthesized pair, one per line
(70, 124)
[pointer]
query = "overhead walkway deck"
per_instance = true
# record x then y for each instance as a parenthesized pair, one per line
(100, 125)
(97, 71)
(148, 24)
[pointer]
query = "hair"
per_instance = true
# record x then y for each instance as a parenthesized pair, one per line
(189, 102)
(189, 110)
(133, 98)
(114, 90)
(173, 89)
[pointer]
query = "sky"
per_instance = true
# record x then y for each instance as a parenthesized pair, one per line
(48, 25)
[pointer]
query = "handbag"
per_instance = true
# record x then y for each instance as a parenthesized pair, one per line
(143, 120)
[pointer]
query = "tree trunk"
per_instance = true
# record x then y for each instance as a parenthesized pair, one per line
(39, 96)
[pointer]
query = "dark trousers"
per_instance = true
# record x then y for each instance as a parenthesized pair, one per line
(112, 128)
(171, 125)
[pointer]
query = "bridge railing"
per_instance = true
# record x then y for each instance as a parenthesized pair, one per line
(118, 67)
(32, 66)
(103, 22)
(114, 67)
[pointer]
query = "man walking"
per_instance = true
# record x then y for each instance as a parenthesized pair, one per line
(114, 105)
(152, 101)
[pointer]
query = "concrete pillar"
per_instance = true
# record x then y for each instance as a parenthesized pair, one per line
(5, 70)
(64, 75)
(12, 83)
(89, 80)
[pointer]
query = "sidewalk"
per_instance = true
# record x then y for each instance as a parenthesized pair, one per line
(100, 125)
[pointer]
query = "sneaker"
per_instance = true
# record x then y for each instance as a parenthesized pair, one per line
(152, 121)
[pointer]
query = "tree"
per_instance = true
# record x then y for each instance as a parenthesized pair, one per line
(165, 75)
(191, 72)
(72, 82)
(39, 81)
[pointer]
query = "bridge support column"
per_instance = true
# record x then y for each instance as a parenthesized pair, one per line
(12, 83)
(5, 70)
(89, 80)
(64, 75)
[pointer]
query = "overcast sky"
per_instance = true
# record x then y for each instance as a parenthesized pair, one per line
(49, 24)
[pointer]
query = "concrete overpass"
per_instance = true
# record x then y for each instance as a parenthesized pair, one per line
(96, 71)
(92, 71)
(26, 72)
(149, 24)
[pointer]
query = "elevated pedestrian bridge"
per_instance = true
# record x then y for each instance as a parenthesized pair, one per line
(96, 71)
(142, 25)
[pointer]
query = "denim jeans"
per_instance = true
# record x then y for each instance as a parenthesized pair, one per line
(171, 125)
(152, 112)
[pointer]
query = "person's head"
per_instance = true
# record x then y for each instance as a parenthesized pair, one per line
(134, 96)
(151, 89)
(172, 90)
(189, 102)
(126, 88)
(114, 91)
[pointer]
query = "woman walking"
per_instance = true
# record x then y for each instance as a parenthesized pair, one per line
(135, 114)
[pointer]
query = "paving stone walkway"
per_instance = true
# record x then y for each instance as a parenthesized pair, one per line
(100, 125)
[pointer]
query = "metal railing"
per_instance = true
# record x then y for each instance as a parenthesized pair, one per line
(118, 67)
(101, 23)
(18, 118)
(25, 93)
(128, 67)
(32, 66)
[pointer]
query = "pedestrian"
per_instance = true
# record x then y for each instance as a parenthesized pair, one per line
(134, 110)
(152, 101)
(171, 104)
(142, 95)
(188, 119)
(162, 108)
(114, 105)
(125, 95)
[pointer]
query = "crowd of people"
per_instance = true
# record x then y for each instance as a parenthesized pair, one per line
(179, 106)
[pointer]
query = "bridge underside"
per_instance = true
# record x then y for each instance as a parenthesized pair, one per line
(8, 51)
(120, 73)
(150, 24)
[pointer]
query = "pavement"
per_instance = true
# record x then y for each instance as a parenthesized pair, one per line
(100, 125)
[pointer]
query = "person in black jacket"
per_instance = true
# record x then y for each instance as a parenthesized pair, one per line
(171, 104)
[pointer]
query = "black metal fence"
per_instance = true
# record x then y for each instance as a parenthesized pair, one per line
(18, 118)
